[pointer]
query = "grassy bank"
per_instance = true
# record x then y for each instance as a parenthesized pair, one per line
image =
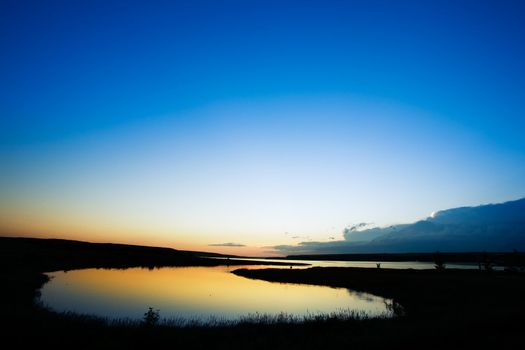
(441, 309)
(27, 324)
(448, 307)
(423, 293)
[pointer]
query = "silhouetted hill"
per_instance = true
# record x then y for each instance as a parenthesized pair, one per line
(50, 254)
(59, 254)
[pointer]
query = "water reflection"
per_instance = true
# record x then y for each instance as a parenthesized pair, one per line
(194, 293)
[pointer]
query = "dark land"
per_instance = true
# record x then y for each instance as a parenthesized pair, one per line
(442, 308)
(59, 254)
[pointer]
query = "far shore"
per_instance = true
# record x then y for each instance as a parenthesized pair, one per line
(494, 258)
(434, 308)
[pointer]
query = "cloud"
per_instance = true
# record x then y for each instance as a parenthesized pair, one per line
(422, 236)
(356, 227)
(495, 227)
(355, 237)
(226, 245)
(362, 232)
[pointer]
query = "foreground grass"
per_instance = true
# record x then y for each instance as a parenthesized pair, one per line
(27, 324)
(441, 309)
(424, 294)
(255, 319)
(447, 309)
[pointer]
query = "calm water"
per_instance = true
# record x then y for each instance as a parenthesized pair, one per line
(417, 265)
(194, 293)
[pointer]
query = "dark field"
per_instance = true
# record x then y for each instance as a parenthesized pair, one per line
(436, 309)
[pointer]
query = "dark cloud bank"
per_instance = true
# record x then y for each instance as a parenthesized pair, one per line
(493, 227)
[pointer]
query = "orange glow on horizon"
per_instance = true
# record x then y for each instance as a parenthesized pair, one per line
(142, 240)
(34, 224)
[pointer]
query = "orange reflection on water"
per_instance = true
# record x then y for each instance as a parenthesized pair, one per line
(193, 292)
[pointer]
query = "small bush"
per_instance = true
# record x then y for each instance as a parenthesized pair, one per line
(151, 317)
(439, 263)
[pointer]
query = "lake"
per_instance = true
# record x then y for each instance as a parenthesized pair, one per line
(416, 265)
(195, 293)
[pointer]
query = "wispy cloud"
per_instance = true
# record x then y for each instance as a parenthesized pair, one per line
(227, 245)
(331, 247)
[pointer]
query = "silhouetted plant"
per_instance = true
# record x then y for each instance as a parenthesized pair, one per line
(395, 308)
(439, 263)
(151, 317)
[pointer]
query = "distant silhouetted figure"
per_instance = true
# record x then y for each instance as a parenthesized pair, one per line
(439, 264)
(378, 265)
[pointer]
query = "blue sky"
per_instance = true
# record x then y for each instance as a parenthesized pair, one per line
(195, 122)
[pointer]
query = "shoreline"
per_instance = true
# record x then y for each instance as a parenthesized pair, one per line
(446, 309)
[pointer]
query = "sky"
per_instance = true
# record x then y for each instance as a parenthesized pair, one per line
(236, 126)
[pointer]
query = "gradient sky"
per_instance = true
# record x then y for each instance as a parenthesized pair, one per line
(189, 123)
